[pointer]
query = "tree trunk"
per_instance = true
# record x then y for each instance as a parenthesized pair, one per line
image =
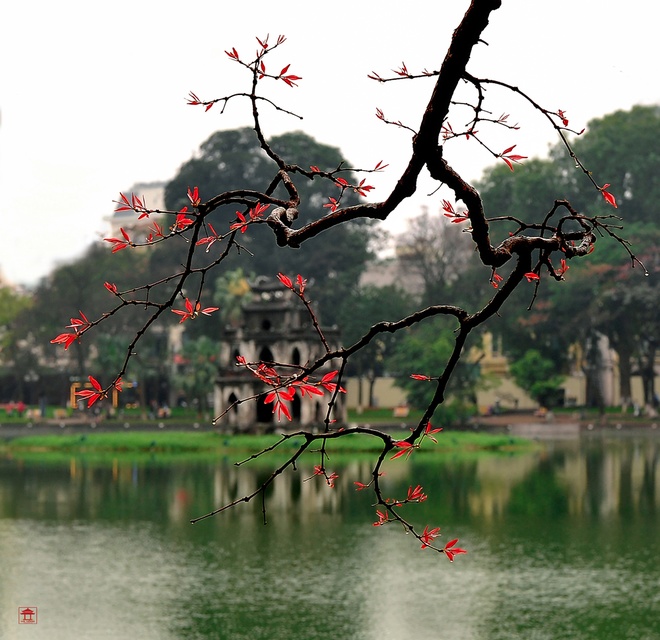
(372, 384)
(625, 374)
(593, 370)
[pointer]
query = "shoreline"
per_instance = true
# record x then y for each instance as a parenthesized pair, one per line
(521, 425)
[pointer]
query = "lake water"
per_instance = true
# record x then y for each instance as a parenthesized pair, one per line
(564, 543)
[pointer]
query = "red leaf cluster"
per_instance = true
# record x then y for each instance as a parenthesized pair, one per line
(510, 158)
(119, 243)
(451, 550)
(192, 311)
(428, 535)
(451, 213)
(79, 326)
(97, 392)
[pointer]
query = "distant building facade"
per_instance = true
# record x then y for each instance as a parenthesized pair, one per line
(152, 195)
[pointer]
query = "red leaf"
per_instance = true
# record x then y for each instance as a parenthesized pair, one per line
(291, 80)
(283, 409)
(429, 429)
(288, 393)
(118, 244)
(416, 494)
(66, 339)
(86, 393)
(609, 198)
(193, 196)
(242, 224)
(285, 280)
(329, 376)
(91, 396)
(209, 310)
(383, 518)
(563, 267)
(448, 207)
(258, 210)
(332, 205)
(406, 449)
(309, 389)
(511, 157)
(79, 324)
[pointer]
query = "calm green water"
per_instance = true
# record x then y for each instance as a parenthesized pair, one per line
(563, 544)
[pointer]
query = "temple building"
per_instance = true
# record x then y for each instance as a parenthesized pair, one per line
(275, 328)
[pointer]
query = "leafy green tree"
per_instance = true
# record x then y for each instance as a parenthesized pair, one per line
(200, 371)
(538, 376)
(601, 297)
(622, 146)
(13, 305)
(79, 286)
(522, 194)
(17, 353)
(232, 290)
(604, 295)
(425, 350)
(235, 157)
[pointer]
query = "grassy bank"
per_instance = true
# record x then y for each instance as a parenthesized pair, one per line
(221, 444)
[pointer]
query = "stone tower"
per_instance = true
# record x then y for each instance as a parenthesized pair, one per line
(275, 327)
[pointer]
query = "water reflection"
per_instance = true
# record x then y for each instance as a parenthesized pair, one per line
(563, 544)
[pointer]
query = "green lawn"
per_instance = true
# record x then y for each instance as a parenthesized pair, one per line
(201, 442)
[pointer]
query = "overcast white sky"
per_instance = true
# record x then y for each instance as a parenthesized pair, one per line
(92, 95)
